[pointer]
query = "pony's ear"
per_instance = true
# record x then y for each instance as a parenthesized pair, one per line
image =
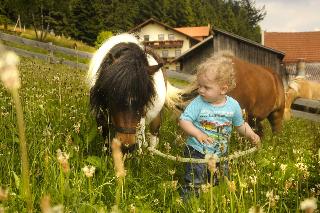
(154, 68)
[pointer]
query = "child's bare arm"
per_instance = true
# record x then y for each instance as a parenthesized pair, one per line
(246, 131)
(193, 131)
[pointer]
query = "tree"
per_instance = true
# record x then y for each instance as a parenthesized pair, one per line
(5, 13)
(84, 21)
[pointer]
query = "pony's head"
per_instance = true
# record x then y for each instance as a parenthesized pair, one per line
(121, 85)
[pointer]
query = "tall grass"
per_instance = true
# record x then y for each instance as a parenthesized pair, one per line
(59, 127)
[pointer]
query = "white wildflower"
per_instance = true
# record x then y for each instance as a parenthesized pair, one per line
(132, 208)
(179, 201)
(253, 180)
(172, 172)
(167, 147)
(201, 210)
(205, 187)
(63, 160)
(283, 167)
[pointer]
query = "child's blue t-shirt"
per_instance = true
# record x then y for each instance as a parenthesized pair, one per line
(215, 121)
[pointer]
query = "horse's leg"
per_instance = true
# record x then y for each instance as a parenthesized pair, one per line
(154, 130)
(255, 124)
(275, 120)
(118, 167)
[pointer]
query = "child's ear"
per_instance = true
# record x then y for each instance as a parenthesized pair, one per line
(224, 89)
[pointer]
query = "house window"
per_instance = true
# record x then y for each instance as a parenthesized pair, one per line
(165, 53)
(178, 53)
(171, 37)
(161, 37)
(178, 67)
(146, 37)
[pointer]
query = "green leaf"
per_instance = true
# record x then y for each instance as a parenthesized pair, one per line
(16, 180)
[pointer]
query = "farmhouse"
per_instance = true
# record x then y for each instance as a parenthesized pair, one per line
(297, 46)
(169, 42)
(243, 48)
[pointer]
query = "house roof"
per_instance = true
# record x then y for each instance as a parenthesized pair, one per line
(296, 45)
(152, 20)
(218, 31)
(196, 32)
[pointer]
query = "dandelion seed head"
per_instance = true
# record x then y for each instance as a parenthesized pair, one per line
(89, 171)
(8, 70)
(309, 204)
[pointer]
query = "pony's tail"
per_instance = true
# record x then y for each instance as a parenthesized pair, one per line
(173, 97)
(178, 98)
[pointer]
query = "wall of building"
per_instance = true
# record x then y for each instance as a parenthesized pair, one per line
(190, 62)
(248, 52)
(153, 30)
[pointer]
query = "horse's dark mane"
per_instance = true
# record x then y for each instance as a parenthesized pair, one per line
(123, 81)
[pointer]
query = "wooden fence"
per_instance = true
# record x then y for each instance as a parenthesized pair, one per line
(49, 47)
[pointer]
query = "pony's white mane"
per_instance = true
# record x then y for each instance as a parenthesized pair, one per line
(100, 54)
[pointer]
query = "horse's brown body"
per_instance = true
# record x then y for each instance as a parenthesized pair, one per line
(261, 93)
(300, 88)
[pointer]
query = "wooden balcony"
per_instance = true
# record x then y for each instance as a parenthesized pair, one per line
(164, 44)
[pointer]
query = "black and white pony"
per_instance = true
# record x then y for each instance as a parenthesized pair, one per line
(127, 91)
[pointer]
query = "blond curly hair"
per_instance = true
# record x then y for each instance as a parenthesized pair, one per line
(221, 68)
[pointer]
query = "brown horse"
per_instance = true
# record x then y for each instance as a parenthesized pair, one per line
(259, 91)
(299, 87)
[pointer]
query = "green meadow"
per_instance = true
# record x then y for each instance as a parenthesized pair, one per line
(63, 139)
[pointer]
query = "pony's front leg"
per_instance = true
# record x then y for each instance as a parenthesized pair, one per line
(117, 156)
(154, 130)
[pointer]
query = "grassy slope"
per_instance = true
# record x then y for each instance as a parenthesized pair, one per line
(55, 100)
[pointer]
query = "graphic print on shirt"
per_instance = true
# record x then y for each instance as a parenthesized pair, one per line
(216, 124)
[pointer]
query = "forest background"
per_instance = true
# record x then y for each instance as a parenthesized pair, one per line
(85, 19)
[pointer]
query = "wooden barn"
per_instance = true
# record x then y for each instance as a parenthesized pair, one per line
(243, 48)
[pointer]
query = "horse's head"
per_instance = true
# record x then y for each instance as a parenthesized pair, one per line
(123, 89)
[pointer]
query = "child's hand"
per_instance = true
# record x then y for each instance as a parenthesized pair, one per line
(204, 138)
(256, 140)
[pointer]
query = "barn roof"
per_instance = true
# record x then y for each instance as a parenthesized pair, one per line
(296, 45)
(152, 20)
(237, 37)
(198, 33)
